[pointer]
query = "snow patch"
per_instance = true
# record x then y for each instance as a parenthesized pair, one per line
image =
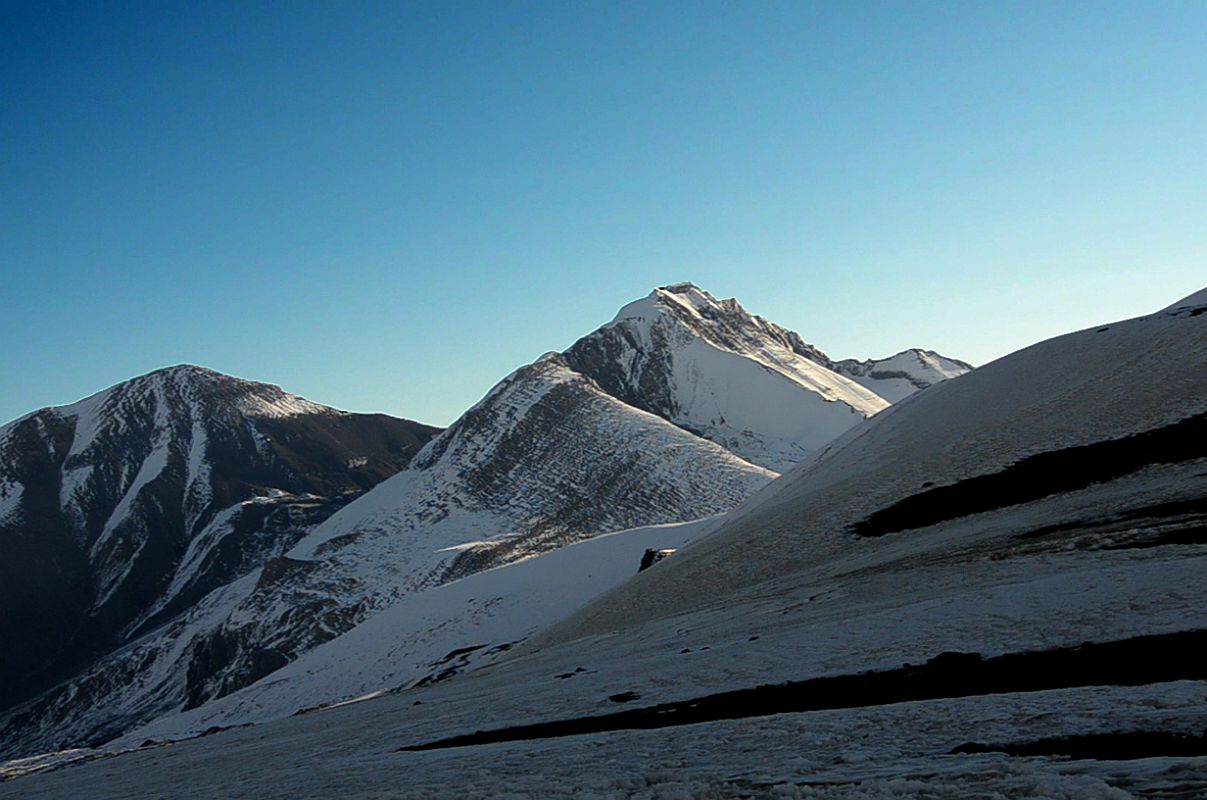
(198, 491)
(150, 469)
(278, 404)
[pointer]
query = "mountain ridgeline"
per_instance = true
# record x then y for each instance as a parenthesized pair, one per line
(181, 536)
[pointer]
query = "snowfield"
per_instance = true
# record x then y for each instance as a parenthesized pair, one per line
(478, 618)
(900, 750)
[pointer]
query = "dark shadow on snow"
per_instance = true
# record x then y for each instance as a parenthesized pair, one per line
(1128, 662)
(1041, 475)
(1114, 746)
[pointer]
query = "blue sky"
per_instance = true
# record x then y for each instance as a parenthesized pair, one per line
(388, 207)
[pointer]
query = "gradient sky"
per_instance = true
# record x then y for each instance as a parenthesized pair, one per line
(388, 207)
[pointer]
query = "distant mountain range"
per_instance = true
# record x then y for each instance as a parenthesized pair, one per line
(180, 537)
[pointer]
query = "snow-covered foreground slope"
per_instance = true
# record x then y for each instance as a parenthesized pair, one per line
(1067, 506)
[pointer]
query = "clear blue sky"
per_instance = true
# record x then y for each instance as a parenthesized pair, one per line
(387, 207)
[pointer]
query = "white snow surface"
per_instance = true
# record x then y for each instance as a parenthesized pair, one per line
(734, 377)
(198, 491)
(431, 497)
(782, 632)
(546, 459)
(411, 639)
(896, 377)
(1096, 384)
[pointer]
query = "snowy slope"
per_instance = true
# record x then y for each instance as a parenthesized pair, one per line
(1195, 300)
(435, 634)
(561, 450)
(546, 459)
(1102, 384)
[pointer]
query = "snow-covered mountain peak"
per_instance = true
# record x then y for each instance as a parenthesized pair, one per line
(217, 521)
(184, 383)
(251, 398)
(128, 506)
(683, 300)
(712, 367)
(695, 299)
(724, 323)
(898, 376)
